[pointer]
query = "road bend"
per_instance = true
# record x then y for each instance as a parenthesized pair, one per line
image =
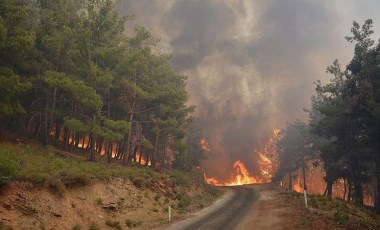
(224, 216)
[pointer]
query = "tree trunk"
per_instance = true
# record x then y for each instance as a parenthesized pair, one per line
(109, 151)
(77, 140)
(304, 175)
(92, 147)
(377, 197)
(147, 158)
(128, 147)
(349, 195)
(290, 179)
(329, 188)
(153, 165)
(140, 157)
(49, 122)
(304, 182)
(66, 136)
(164, 154)
(72, 142)
(58, 127)
(358, 187)
(345, 188)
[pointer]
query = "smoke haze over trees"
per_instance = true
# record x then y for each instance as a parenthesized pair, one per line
(252, 63)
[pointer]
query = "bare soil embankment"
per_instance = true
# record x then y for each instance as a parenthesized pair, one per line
(115, 203)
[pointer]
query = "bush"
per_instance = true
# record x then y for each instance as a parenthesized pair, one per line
(77, 227)
(113, 224)
(93, 226)
(181, 178)
(183, 202)
(132, 223)
(341, 216)
(98, 201)
(8, 168)
(4, 227)
(157, 197)
(4, 180)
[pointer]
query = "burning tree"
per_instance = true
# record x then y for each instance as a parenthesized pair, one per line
(267, 160)
(268, 156)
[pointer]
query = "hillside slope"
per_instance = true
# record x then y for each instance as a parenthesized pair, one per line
(46, 189)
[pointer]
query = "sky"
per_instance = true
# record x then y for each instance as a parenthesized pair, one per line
(251, 63)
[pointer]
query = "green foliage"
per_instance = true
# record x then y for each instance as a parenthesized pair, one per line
(113, 224)
(345, 113)
(69, 65)
(76, 125)
(93, 226)
(80, 92)
(11, 87)
(36, 164)
(77, 227)
(183, 202)
(341, 217)
(8, 168)
(98, 201)
(181, 178)
(132, 223)
(4, 227)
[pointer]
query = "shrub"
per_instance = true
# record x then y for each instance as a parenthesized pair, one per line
(98, 201)
(132, 223)
(113, 224)
(341, 216)
(157, 197)
(8, 168)
(77, 227)
(93, 226)
(183, 202)
(181, 178)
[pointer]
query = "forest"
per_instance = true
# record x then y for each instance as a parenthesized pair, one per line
(72, 77)
(343, 130)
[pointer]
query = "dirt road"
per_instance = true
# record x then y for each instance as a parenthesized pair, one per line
(265, 206)
(243, 207)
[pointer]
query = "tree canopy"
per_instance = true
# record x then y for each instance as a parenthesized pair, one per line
(70, 76)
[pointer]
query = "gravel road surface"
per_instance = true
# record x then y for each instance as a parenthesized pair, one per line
(226, 213)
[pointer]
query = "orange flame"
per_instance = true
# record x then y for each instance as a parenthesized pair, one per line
(242, 176)
(298, 187)
(268, 156)
(204, 145)
(267, 159)
(141, 161)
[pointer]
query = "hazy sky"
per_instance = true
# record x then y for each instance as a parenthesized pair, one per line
(251, 63)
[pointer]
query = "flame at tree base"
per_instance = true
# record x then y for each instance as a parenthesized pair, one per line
(242, 176)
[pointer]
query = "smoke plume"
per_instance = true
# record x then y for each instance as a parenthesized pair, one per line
(251, 63)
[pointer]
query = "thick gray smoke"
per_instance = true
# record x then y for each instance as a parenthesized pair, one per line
(251, 63)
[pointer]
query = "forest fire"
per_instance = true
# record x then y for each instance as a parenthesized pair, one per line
(267, 160)
(140, 159)
(204, 145)
(268, 156)
(242, 176)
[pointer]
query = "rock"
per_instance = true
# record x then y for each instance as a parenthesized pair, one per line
(110, 206)
(7, 206)
(57, 214)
